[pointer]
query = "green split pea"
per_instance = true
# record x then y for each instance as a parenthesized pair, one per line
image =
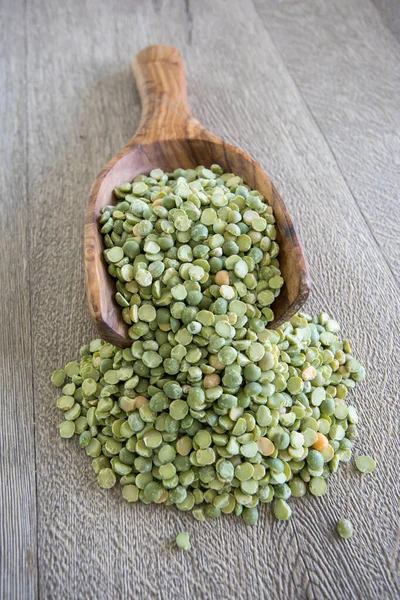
(218, 423)
(189, 241)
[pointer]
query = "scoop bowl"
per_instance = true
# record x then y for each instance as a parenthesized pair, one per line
(169, 137)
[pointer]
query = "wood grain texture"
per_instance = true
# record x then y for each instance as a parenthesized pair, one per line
(170, 137)
(346, 65)
(83, 107)
(390, 13)
(18, 550)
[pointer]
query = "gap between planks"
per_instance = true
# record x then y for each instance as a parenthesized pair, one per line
(29, 245)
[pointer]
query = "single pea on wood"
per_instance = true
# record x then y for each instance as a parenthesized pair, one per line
(218, 423)
(182, 541)
(345, 528)
(365, 464)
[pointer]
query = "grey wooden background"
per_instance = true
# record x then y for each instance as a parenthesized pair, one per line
(311, 89)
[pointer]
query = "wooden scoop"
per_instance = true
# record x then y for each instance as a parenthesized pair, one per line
(170, 137)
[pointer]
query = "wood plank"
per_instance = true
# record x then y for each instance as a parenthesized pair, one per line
(18, 550)
(83, 108)
(346, 65)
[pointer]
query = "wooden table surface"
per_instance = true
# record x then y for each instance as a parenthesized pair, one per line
(310, 88)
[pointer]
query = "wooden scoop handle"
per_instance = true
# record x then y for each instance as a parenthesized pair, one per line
(160, 77)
